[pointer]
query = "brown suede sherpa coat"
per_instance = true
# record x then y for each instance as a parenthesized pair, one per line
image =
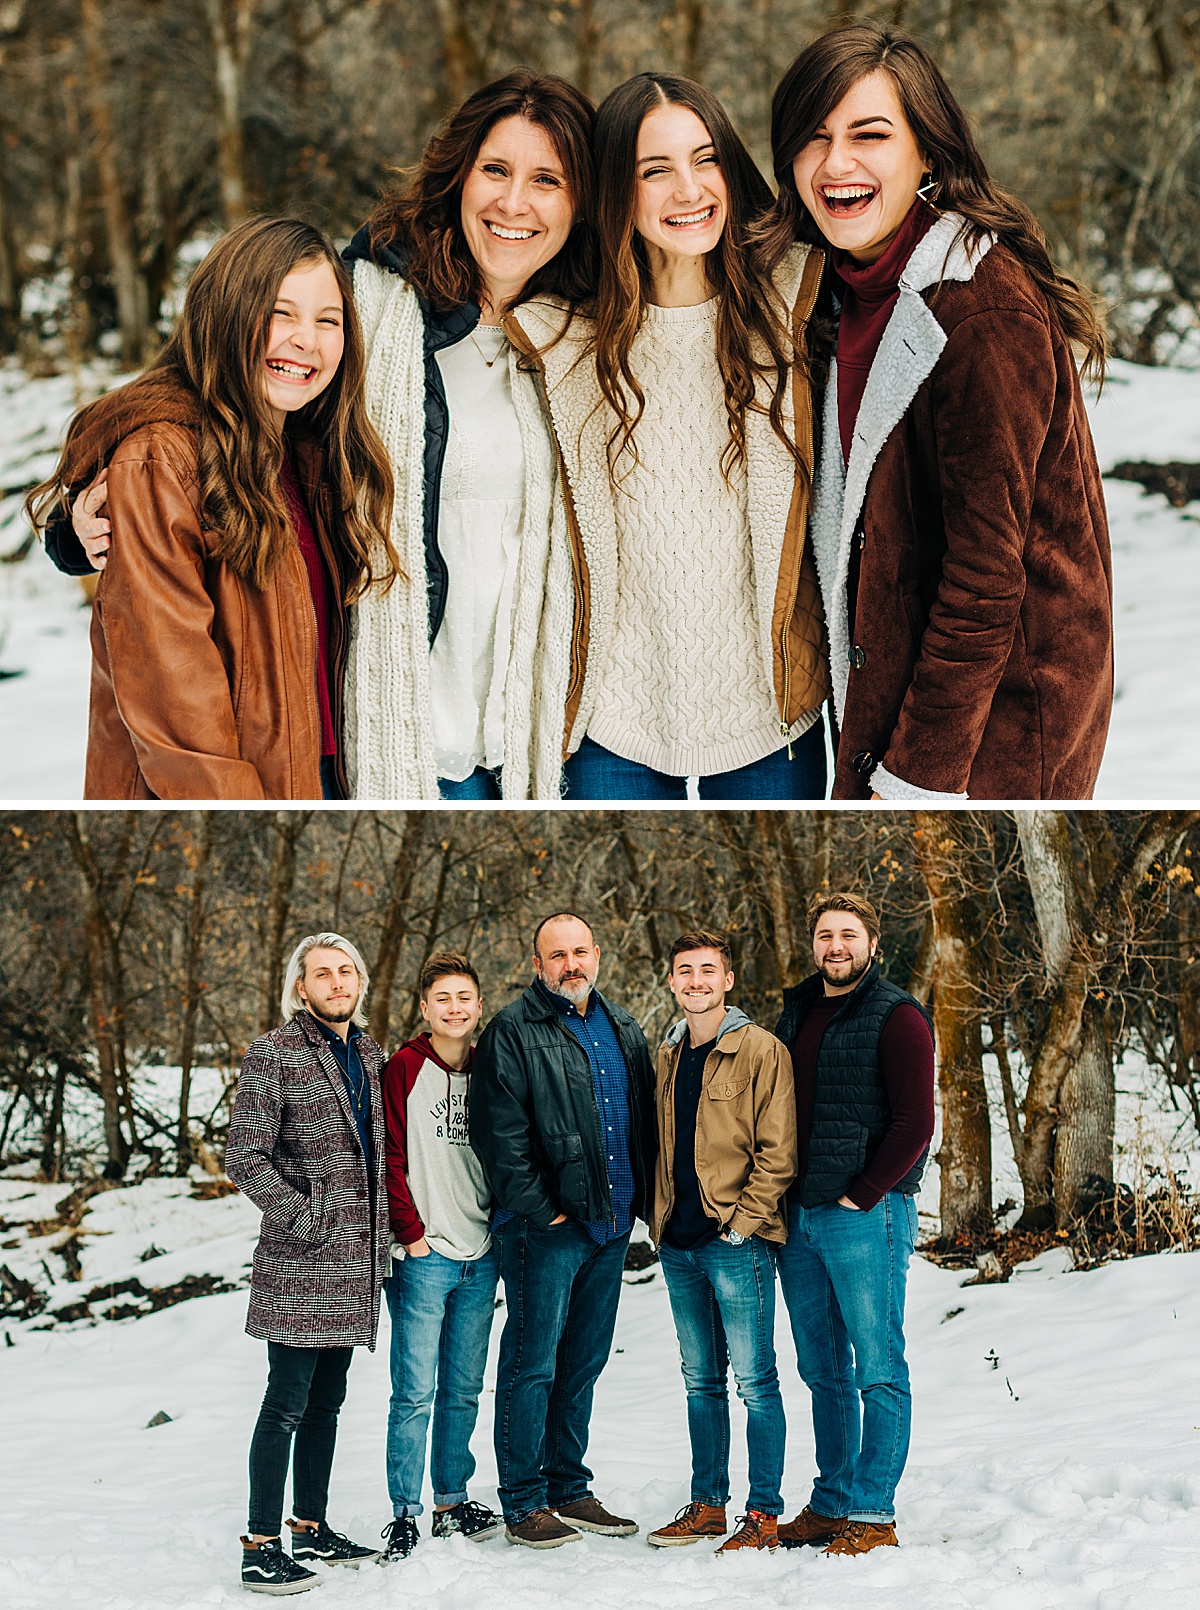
(978, 660)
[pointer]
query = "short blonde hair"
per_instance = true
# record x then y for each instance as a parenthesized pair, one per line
(291, 1002)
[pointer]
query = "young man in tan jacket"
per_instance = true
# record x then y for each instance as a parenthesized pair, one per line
(726, 1110)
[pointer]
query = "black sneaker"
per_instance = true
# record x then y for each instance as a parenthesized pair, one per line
(327, 1545)
(267, 1569)
(468, 1519)
(401, 1536)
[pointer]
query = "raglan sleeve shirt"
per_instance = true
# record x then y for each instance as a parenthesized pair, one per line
(399, 1076)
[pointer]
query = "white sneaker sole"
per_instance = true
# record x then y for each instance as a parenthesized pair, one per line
(683, 1542)
(601, 1531)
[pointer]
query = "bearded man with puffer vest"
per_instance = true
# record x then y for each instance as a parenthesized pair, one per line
(862, 1055)
(726, 1154)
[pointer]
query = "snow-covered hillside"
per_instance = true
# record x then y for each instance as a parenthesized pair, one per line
(1055, 1462)
(1143, 413)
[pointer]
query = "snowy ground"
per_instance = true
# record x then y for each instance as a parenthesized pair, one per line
(1055, 1461)
(1144, 413)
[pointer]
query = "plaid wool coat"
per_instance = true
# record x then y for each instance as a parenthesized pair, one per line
(294, 1151)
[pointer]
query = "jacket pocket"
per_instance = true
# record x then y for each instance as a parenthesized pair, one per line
(727, 1088)
(565, 1155)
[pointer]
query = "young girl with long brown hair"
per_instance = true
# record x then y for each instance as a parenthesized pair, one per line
(683, 424)
(959, 524)
(249, 499)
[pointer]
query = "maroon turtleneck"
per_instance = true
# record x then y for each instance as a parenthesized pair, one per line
(871, 292)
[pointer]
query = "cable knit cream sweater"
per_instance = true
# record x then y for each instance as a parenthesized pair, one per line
(684, 688)
(683, 571)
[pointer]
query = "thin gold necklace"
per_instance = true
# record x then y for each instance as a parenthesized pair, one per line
(488, 362)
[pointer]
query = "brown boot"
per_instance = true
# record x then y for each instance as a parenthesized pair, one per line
(810, 1528)
(860, 1537)
(694, 1522)
(590, 1515)
(541, 1530)
(755, 1531)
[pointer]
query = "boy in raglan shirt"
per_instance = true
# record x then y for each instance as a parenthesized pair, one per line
(442, 1291)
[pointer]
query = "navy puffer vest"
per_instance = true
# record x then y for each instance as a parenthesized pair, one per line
(850, 1106)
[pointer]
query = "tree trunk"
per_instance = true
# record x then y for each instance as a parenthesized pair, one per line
(229, 24)
(51, 1161)
(462, 65)
(965, 1156)
(104, 1022)
(122, 250)
(286, 829)
(1070, 1100)
(193, 985)
(689, 35)
(774, 874)
(395, 926)
(10, 284)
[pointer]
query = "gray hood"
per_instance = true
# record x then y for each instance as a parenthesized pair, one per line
(734, 1018)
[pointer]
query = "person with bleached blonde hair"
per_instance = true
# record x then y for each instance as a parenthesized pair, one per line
(306, 1145)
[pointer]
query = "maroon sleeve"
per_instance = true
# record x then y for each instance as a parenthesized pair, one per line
(906, 1063)
(398, 1079)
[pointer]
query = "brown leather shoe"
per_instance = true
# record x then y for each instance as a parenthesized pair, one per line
(755, 1531)
(693, 1524)
(541, 1530)
(590, 1515)
(860, 1537)
(810, 1528)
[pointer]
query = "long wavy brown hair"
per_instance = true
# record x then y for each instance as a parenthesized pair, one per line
(752, 340)
(424, 217)
(820, 78)
(209, 376)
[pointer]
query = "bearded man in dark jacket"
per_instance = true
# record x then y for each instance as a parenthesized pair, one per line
(862, 1056)
(561, 1117)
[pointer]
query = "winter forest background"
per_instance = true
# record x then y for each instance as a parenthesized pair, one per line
(128, 128)
(1056, 951)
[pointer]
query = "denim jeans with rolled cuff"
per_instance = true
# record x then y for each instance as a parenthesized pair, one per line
(844, 1275)
(723, 1305)
(561, 1290)
(594, 772)
(306, 1386)
(442, 1311)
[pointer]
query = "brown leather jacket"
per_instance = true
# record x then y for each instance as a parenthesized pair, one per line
(203, 686)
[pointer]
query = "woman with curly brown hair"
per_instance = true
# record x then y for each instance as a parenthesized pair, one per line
(458, 683)
(249, 498)
(959, 524)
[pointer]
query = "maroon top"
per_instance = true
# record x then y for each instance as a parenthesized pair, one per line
(906, 1063)
(396, 1082)
(871, 292)
(318, 586)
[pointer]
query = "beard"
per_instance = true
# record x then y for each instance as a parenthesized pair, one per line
(333, 1014)
(858, 966)
(575, 990)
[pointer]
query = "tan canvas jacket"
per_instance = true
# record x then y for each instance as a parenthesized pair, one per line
(746, 1154)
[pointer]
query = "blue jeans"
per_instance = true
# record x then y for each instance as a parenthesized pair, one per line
(723, 1304)
(593, 772)
(843, 1276)
(481, 784)
(441, 1312)
(561, 1290)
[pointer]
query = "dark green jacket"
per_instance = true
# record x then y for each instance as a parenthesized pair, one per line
(533, 1119)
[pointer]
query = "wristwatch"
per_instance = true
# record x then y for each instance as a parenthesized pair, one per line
(734, 1239)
